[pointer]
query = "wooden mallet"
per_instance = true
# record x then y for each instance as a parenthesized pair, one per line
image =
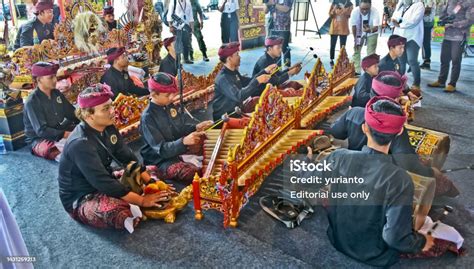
(225, 117)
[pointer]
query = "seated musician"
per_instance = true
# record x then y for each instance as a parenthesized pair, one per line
(109, 17)
(231, 88)
(168, 64)
(166, 134)
(375, 229)
(117, 76)
(349, 126)
(364, 84)
(38, 29)
(87, 188)
(273, 45)
(48, 115)
(391, 62)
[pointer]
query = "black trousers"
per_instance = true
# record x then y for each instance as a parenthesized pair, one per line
(286, 35)
(427, 43)
(451, 51)
(186, 40)
(342, 42)
(229, 27)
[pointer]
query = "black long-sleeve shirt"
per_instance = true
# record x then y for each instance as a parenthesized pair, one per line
(389, 64)
(47, 118)
(263, 62)
(362, 90)
(25, 36)
(376, 229)
(112, 25)
(168, 65)
(163, 135)
(349, 126)
(231, 89)
(120, 82)
(84, 166)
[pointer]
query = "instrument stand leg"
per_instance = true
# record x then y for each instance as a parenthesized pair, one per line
(315, 21)
(310, 6)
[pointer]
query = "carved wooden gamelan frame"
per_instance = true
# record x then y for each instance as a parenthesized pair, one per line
(274, 119)
(199, 90)
(342, 76)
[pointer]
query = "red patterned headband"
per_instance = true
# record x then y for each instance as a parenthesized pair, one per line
(383, 89)
(160, 88)
(93, 99)
(382, 122)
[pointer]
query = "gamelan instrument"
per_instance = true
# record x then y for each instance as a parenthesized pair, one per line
(198, 91)
(318, 100)
(342, 78)
(431, 146)
(338, 82)
(423, 197)
(237, 161)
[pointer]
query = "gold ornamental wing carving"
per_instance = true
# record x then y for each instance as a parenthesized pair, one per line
(252, 32)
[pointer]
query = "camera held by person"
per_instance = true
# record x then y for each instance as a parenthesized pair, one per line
(446, 20)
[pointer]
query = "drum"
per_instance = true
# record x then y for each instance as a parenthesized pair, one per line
(423, 197)
(431, 146)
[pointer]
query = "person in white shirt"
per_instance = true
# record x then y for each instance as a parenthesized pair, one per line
(184, 10)
(229, 21)
(408, 22)
(365, 23)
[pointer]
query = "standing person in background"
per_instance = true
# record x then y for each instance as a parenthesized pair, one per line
(269, 10)
(339, 13)
(408, 22)
(229, 21)
(365, 23)
(30, 9)
(183, 10)
(458, 16)
(428, 23)
(198, 25)
(281, 25)
(159, 8)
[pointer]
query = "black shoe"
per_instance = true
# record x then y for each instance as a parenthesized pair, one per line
(357, 74)
(425, 65)
(188, 62)
(331, 63)
(204, 57)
